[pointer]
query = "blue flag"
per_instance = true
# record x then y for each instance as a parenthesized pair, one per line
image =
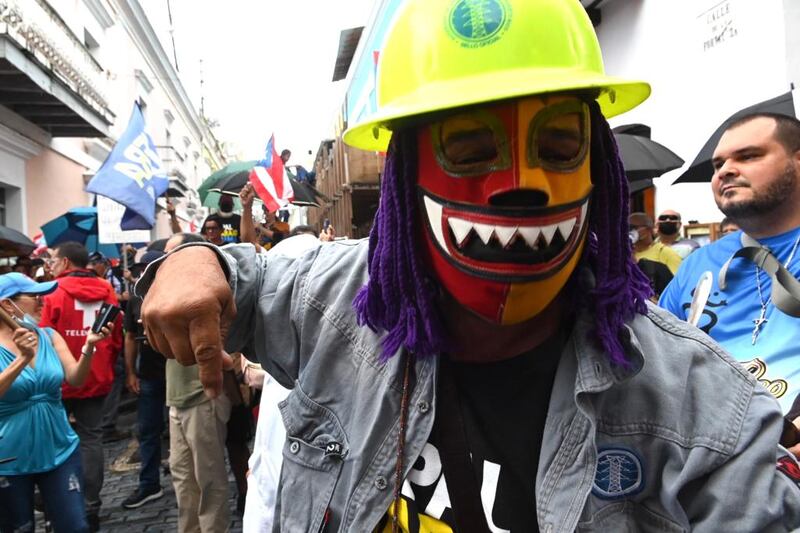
(133, 175)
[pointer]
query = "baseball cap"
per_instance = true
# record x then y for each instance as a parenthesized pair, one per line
(98, 257)
(16, 283)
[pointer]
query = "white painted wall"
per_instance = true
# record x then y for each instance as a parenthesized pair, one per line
(696, 87)
(12, 179)
(120, 54)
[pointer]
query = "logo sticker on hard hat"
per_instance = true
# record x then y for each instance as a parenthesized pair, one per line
(476, 23)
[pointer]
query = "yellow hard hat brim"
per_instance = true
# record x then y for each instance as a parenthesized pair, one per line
(616, 97)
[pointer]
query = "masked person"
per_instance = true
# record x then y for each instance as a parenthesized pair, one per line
(487, 359)
(70, 310)
(645, 246)
(38, 447)
(668, 229)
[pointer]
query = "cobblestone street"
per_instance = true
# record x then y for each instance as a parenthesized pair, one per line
(121, 479)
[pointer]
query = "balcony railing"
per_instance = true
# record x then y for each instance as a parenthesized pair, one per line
(34, 26)
(174, 162)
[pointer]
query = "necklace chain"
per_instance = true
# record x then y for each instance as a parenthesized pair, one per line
(761, 320)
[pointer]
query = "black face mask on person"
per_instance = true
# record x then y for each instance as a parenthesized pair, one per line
(668, 228)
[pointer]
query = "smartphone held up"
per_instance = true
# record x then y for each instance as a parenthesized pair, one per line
(108, 313)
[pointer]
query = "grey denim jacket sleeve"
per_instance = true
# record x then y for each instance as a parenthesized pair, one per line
(699, 430)
(683, 440)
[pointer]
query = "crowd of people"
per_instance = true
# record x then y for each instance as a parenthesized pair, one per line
(510, 350)
(64, 381)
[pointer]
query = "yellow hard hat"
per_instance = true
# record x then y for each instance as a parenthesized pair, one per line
(443, 54)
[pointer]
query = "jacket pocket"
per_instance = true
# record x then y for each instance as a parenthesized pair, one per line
(628, 516)
(313, 456)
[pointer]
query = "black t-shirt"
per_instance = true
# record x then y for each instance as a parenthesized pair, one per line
(230, 226)
(504, 407)
(658, 274)
(151, 364)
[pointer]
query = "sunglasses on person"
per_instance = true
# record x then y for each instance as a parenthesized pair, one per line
(668, 218)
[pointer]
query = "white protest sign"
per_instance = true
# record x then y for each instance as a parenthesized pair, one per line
(109, 217)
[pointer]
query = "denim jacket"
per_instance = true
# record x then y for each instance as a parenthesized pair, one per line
(683, 439)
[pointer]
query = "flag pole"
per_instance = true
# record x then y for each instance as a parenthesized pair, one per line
(127, 284)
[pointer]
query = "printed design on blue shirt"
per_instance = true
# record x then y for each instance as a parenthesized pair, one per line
(706, 326)
(619, 473)
(758, 368)
(730, 316)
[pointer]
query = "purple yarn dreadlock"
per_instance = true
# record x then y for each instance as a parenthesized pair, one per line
(400, 299)
(621, 287)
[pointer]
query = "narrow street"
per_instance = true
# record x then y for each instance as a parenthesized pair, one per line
(121, 479)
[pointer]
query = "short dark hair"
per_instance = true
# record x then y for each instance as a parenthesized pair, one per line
(190, 237)
(75, 252)
(211, 218)
(285, 152)
(643, 218)
(787, 130)
(303, 230)
(727, 221)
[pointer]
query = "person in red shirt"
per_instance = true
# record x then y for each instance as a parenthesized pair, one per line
(71, 310)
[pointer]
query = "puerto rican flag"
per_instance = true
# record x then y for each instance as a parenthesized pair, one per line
(270, 180)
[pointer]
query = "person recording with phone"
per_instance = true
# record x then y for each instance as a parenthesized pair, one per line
(38, 446)
(328, 234)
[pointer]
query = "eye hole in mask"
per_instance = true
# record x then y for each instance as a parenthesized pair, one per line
(471, 144)
(466, 142)
(558, 137)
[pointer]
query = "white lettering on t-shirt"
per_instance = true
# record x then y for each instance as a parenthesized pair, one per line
(427, 476)
(431, 472)
(491, 474)
(431, 469)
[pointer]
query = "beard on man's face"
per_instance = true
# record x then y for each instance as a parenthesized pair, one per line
(762, 202)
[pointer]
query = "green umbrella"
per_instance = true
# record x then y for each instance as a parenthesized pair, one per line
(221, 175)
(213, 196)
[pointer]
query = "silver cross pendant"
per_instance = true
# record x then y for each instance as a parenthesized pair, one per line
(758, 322)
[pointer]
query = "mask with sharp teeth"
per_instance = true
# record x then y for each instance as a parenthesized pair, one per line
(504, 192)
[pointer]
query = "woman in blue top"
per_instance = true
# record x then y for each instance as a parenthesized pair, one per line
(37, 444)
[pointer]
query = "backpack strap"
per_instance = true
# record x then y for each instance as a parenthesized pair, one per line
(785, 287)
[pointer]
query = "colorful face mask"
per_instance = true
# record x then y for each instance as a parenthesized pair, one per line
(505, 190)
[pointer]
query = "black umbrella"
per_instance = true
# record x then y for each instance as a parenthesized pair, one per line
(701, 168)
(14, 243)
(640, 185)
(642, 157)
